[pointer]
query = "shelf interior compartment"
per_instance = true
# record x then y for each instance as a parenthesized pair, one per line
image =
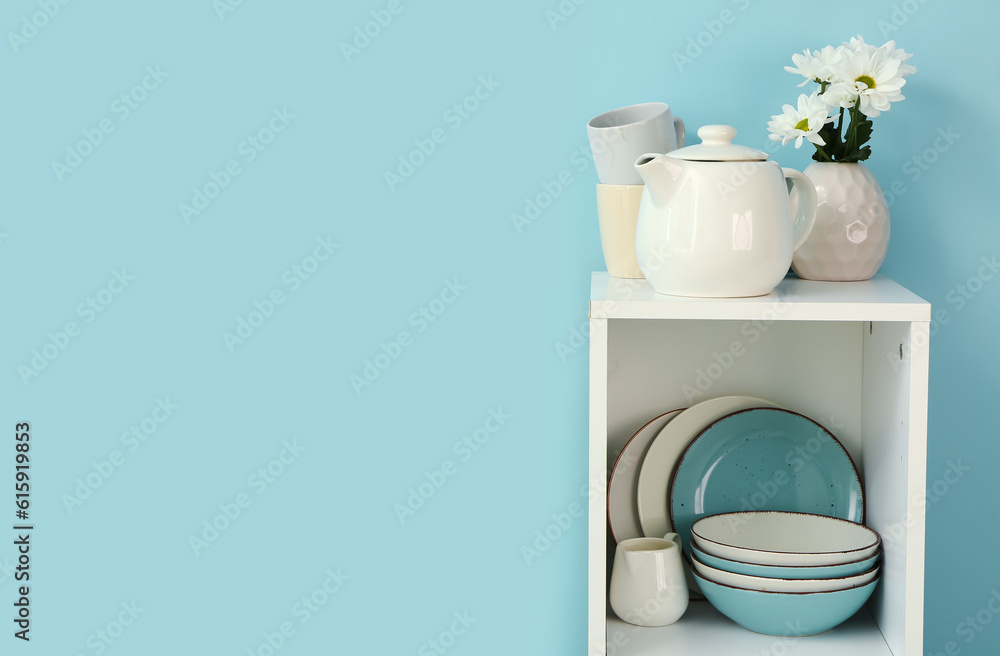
(841, 374)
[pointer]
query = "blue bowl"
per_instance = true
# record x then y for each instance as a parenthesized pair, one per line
(789, 614)
(783, 572)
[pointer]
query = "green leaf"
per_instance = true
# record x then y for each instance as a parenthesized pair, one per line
(864, 130)
(858, 134)
(832, 147)
(858, 155)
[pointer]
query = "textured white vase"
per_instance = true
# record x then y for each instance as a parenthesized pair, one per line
(851, 233)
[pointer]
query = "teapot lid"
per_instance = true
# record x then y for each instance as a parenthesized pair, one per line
(716, 146)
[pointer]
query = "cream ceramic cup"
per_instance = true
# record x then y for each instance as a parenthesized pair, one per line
(617, 213)
(648, 586)
(619, 137)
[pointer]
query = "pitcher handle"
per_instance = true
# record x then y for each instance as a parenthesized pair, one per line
(805, 208)
(673, 537)
(680, 130)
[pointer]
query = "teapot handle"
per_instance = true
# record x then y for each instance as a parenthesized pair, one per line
(805, 208)
(680, 131)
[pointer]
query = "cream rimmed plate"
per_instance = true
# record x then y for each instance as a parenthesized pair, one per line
(623, 512)
(785, 538)
(662, 456)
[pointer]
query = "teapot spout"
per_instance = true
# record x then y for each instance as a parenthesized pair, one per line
(659, 173)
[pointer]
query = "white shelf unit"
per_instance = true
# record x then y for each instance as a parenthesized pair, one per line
(853, 356)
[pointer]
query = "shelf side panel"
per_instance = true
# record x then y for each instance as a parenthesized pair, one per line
(895, 446)
(597, 516)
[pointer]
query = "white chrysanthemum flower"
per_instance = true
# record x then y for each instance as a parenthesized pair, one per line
(817, 65)
(903, 56)
(857, 44)
(870, 75)
(802, 122)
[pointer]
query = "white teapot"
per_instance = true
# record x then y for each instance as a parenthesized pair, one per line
(715, 218)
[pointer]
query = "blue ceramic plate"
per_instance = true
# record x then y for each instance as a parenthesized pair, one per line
(764, 459)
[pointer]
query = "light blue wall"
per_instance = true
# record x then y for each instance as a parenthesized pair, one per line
(493, 348)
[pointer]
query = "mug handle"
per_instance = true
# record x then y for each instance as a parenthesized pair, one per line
(680, 130)
(805, 208)
(673, 537)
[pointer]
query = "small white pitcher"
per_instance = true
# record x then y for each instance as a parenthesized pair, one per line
(648, 587)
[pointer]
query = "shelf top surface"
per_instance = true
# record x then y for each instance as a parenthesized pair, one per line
(878, 299)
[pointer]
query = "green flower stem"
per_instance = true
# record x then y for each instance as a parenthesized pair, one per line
(852, 131)
(819, 149)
